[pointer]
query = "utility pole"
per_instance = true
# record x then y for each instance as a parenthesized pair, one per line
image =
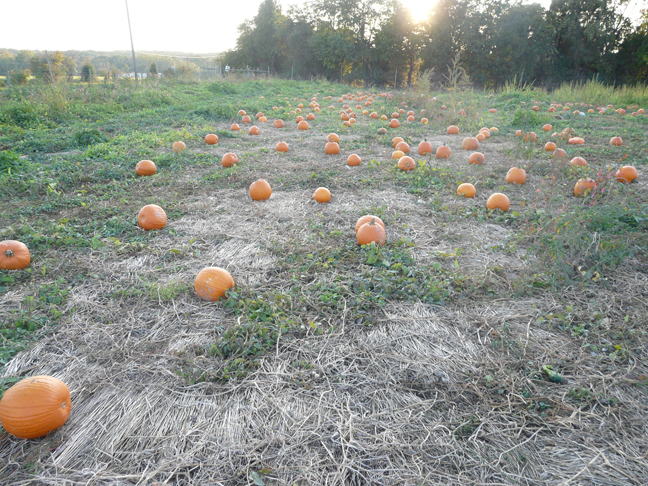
(131, 39)
(50, 67)
(395, 76)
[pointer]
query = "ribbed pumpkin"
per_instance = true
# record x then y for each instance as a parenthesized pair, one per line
(229, 159)
(212, 283)
(14, 255)
(35, 406)
(396, 141)
(498, 201)
(476, 158)
(260, 190)
(584, 187)
(424, 148)
(278, 124)
(178, 147)
(466, 190)
(254, 130)
(443, 152)
(578, 162)
(366, 218)
(322, 195)
(470, 143)
(616, 141)
(626, 174)
(353, 160)
(403, 147)
(152, 217)
(516, 175)
(211, 138)
(406, 163)
(246, 119)
(332, 148)
(145, 168)
(371, 232)
(453, 130)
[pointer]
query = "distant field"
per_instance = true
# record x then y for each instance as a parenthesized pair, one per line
(427, 361)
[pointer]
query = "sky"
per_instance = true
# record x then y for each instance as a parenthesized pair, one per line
(192, 26)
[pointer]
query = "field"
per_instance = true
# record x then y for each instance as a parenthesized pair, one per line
(427, 361)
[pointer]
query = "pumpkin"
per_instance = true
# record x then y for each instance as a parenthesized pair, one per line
(259, 115)
(371, 232)
(576, 141)
(466, 190)
(559, 153)
(518, 133)
(424, 148)
(344, 117)
(616, 141)
(424, 121)
(235, 127)
(278, 124)
(550, 146)
(397, 154)
(485, 131)
(254, 130)
(382, 131)
(529, 137)
(395, 115)
(498, 201)
(229, 159)
(322, 195)
(626, 174)
(332, 148)
(246, 119)
(403, 147)
(152, 217)
(443, 152)
(298, 119)
(492, 110)
(14, 255)
(476, 158)
(35, 406)
(333, 137)
(178, 147)
(480, 137)
(145, 168)
(373, 115)
(353, 160)
(282, 147)
(212, 283)
(260, 190)
(263, 119)
(366, 218)
(394, 123)
(494, 130)
(396, 141)
(470, 143)
(453, 130)
(310, 116)
(516, 175)
(547, 127)
(242, 113)
(406, 163)
(584, 187)
(303, 125)
(578, 162)
(211, 138)
(383, 117)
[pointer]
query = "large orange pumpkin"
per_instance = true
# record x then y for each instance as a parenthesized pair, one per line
(152, 217)
(466, 190)
(333, 137)
(583, 187)
(394, 123)
(211, 138)
(443, 152)
(229, 159)
(403, 147)
(453, 130)
(516, 175)
(424, 148)
(616, 141)
(212, 283)
(371, 232)
(498, 201)
(14, 255)
(178, 147)
(626, 174)
(406, 163)
(282, 147)
(476, 158)
(578, 162)
(322, 195)
(260, 190)
(366, 218)
(470, 143)
(353, 160)
(35, 406)
(278, 124)
(145, 168)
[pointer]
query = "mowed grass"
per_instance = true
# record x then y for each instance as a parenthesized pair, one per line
(68, 189)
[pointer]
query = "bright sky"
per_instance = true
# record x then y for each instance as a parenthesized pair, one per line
(196, 26)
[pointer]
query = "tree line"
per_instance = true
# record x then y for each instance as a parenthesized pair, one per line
(490, 42)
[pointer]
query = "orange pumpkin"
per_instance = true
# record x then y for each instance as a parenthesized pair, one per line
(152, 217)
(366, 218)
(453, 130)
(282, 147)
(278, 124)
(547, 127)
(310, 116)
(550, 146)
(480, 137)
(353, 160)
(476, 158)
(443, 152)
(576, 141)
(470, 143)
(516, 175)
(529, 137)
(466, 190)
(397, 154)
(584, 186)
(403, 147)
(394, 123)
(235, 127)
(35, 406)
(145, 168)
(212, 283)
(498, 201)
(322, 195)
(424, 148)
(260, 190)
(371, 232)
(406, 163)
(396, 141)
(578, 162)
(626, 174)
(229, 159)
(211, 138)
(303, 125)
(178, 147)
(254, 130)
(14, 255)
(246, 119)
(332, 148)
(333, 137)
(617, 141)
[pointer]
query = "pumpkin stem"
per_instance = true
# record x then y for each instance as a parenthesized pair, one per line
(9, 253)
(372, 222)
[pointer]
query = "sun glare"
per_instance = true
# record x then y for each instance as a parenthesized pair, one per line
(420, 8)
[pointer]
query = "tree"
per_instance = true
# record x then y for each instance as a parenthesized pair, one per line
(41, 70)
(153, 70)
(87, 73)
